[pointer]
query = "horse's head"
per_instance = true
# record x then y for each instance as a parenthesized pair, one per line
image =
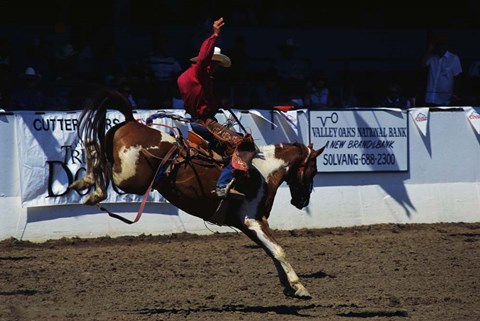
(301, 174)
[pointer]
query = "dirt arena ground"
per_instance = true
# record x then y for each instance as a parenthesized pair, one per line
(381, 272)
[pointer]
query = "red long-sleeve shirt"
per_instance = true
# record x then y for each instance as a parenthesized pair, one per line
(196, 83)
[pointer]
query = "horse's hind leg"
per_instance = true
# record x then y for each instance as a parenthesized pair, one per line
(93, 176)
(260, 233)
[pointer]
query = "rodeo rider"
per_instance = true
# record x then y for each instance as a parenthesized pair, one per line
(196, 87)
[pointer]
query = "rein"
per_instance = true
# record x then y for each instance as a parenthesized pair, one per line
(145, 196)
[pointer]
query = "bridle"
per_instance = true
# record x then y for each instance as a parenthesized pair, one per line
(301, 168)
(300, 172)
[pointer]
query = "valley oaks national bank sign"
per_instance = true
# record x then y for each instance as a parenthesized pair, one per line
(51, 157)
(360, 140)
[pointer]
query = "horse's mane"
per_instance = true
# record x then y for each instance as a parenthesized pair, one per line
(300, 145)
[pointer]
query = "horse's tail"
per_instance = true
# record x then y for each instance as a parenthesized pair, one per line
(92, 122)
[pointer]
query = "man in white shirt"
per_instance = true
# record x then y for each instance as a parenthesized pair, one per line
(444, 69)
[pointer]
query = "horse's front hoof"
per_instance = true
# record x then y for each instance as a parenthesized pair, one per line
(301, 293)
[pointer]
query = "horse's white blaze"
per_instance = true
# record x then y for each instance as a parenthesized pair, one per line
(128, 160)
(268, 164)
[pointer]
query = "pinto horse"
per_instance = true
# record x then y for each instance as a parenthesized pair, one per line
(130, 154)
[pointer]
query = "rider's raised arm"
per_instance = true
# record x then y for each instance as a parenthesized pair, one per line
(207, 48)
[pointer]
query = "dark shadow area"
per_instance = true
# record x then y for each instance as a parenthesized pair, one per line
(476, 134)
(317, 275)
(22, 292)
(293, 310)
(47, 213)
(427, 140)
(373, 314)
(16, 258)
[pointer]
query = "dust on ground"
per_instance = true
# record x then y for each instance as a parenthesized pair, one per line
(384, 272)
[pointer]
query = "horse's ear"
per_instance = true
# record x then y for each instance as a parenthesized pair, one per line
(310, 146)
(318, 152)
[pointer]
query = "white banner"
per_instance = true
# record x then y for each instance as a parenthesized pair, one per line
(420, 117)
(259, 115)
(360, 140)
(473, 117)
(290, 118)
(51, 158)
(231, 118)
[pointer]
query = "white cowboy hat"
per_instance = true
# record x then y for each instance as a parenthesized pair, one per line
(218, 56)
(31, 73)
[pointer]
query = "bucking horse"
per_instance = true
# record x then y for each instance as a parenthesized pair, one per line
(138, 158)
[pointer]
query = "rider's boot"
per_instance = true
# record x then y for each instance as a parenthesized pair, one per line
(229, 191)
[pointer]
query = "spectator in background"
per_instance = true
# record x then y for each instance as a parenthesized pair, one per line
(124, 88)
(107, 62)
(238, 53)
(291, 70)
(472, 90)
(395, 98)
(165, 69)
(474, 70)
(66, 87)
(28, 95)
(39, 57)
(5, 58)
(122, 82)
(443, 71)
(238, 75)
(348, 96)
(317, 94)
(267, 92)
(141, 83)
(85, 61)
(5, 85)
(5, 73)
(66, 62)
